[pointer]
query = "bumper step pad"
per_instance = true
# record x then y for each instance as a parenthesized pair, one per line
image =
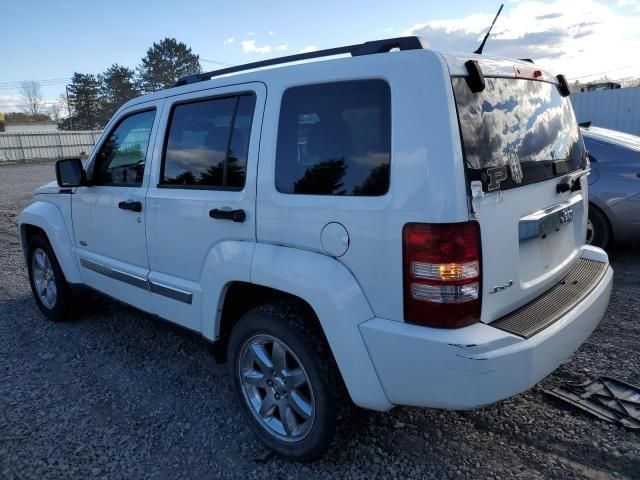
(552, 305)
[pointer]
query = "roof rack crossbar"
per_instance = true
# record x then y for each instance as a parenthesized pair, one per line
(367, 48)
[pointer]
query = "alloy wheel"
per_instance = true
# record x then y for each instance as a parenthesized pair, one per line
(276, 388)
(44, 278)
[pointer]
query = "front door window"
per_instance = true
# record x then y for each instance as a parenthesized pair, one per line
(121, 159)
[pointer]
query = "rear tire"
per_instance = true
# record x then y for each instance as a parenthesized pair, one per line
(286, 380)
(598, 229)
(48, 285)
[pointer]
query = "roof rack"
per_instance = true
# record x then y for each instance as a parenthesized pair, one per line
(366, 48)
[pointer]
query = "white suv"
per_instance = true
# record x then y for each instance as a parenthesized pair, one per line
(394, 227)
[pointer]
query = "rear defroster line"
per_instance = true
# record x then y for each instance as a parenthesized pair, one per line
(607, 398)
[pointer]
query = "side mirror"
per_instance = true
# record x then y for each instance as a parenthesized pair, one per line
(69, 172)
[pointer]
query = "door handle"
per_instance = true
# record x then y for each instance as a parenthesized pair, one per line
(234, 215)
(131, 205)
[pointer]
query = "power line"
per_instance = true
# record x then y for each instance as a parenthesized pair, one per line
(21, 105)
(46, 80)
(42, 85)
(216, 62)
(601, 73)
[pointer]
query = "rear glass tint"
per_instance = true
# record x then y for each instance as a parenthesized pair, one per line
(335, 139)
(525, 126)
(207, 144)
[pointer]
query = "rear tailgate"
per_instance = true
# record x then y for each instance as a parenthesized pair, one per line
(521, 141)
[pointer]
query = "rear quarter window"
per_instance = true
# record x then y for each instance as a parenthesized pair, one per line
(335, 139)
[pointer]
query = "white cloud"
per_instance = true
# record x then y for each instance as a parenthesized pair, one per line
(229, 40)
(577, 38)
(270, 32)
(249, 46)
(309, 48)
(15, 103)
(8, 103)
(251, 34)
(282, 47)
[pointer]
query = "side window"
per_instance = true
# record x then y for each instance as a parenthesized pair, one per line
(335, 139)
(121, 159)
(207, 143)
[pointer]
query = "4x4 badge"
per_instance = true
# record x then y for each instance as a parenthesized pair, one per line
(500, 288)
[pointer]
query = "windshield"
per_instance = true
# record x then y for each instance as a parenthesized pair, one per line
(516, 132)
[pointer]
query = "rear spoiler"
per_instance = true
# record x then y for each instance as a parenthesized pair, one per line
(476, 81)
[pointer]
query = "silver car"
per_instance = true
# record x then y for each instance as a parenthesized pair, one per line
(614, 185)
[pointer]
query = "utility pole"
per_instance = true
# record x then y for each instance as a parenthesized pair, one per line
(66, 89)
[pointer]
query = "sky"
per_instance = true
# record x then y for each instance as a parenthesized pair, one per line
(584, 39)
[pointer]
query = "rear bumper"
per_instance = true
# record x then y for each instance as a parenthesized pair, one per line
(476, 365)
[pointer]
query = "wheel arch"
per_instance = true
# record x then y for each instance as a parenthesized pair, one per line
(47, 219)
(27, 232)
(333, 296)
(239, 298)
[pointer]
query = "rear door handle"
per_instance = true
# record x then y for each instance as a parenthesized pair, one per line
(131, 205)
(234, 215)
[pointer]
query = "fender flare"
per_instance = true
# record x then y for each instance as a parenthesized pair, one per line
(340, 305)
(228, 261)
(48, 217)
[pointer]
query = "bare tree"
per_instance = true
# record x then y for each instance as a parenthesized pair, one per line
(54, 111)
(31, 97)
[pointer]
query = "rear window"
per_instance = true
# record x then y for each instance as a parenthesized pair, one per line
(516, 132)
(207, 144)
(335, 139)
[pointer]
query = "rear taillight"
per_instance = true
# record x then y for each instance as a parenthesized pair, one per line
(442, 274)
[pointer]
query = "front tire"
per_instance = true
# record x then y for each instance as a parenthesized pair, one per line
(48, 285)
(286, 380)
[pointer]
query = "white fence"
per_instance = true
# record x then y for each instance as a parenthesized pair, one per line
(27, 146)
(618, 109)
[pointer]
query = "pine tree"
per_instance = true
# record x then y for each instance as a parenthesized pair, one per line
(166, 62)
(117, 86)
(324, 178)
(84, 98)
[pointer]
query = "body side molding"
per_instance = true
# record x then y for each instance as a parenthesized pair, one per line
(137, 281)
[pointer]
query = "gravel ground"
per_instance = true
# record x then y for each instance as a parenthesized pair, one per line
(119, 394)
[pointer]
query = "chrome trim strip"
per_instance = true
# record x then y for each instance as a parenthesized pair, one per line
(171, 292)
(547, 220)
(140, 282)
(125, 277)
